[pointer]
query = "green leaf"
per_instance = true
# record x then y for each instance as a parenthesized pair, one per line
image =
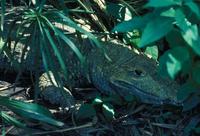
(189, 32)
(193, 7)
(29, 110)
(97, 101)
(119, 12)
(155, 30)
(132, 38)
(86, 111)
(168, 13)
(72, 24)
(56, 50)
(135, 23)
(152, 51)
(11, 120)
(172, 61)
(196, 72)
(108, 111)
(62, 36)
(181, 21)
(191, 36)
(191, 102)
(186, 90)
(191, 16)
(162, 3)
(174, 38)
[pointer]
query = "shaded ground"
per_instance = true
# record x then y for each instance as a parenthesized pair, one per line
(131, 118)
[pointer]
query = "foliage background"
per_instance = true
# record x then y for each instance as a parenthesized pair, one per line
(167, 30)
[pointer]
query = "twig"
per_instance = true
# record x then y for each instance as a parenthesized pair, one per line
(127, 115)
(11, 128)
(90, 124)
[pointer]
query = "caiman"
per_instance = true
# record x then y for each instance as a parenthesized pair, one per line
(125, 72)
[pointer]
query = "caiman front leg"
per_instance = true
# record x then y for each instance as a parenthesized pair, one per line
(54, 94)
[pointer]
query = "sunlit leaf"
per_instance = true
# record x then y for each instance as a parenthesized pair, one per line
(162, 3)
(155, 30)
(168, 13)
(97, 101)
(152, 51)
(173, 60)
(135, 23)
(108, 111)
(191, 36)
(181, 21)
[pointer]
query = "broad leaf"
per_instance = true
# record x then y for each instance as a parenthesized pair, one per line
(191, 36)
(168, 13)
(193, 7)
(152, 51)
(162, 3)
(174, 38)
(173, 60)
(155, 30)
(135, 23)
(181, 21)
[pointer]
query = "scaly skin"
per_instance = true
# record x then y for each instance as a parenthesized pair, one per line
(125, 73)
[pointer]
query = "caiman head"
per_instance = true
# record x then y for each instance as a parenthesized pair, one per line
(139, 76)
(136, 74)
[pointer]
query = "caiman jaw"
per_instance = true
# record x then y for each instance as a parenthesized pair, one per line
(124, 88)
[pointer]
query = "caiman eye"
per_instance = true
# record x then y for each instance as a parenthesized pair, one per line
(139, 72)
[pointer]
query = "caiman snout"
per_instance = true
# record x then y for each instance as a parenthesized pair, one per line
(125, 87)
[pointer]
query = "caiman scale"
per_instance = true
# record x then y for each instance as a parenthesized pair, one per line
(127, 72)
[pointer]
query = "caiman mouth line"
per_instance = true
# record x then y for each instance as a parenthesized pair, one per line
(134, 90)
